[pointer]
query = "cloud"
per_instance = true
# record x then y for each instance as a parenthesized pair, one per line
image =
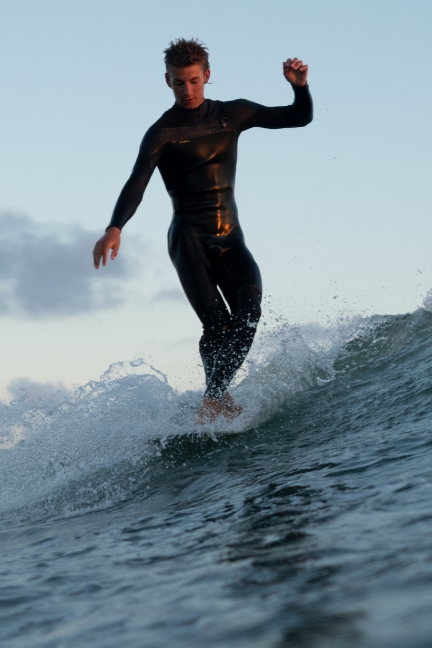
(173, 294)
(46, 270)
(32, 390)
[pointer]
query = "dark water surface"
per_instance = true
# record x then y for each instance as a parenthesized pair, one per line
(308, 524)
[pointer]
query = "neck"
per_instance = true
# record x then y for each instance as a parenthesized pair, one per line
(190, 109)
(191, 113)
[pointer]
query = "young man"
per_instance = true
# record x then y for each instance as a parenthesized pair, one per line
(194, 145)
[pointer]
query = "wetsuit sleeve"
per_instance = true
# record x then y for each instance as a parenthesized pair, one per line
(248, 114)
(132, 193)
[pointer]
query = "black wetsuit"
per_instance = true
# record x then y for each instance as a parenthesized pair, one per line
(196, 153)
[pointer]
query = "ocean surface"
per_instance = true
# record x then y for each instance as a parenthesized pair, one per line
(306, 522)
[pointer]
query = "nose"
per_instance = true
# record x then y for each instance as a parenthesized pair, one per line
(187, 90)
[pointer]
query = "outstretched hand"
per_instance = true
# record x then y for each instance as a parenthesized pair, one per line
(109, 241)
(295, 72)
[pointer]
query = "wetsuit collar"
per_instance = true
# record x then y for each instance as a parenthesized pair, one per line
(189, 114)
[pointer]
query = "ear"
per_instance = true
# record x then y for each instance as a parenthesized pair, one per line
(207, 75)
(167, 79)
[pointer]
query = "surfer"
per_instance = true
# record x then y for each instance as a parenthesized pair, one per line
(194, 146)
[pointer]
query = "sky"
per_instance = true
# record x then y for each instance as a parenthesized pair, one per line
(337, 214)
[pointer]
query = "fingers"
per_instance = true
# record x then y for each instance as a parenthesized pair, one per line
(109, 241)
(115, 250)
(106, 249)
(295, 71)
(294, 64)
(101, 250)
(96, 255)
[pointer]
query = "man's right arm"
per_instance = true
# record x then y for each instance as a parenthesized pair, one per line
(132, 193)
(130, 198)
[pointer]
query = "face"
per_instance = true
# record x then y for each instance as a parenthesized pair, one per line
(187, 84)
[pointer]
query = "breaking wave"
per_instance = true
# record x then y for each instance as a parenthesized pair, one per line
(101, 447)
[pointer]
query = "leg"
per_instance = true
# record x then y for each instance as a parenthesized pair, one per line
(215, 323)
(240, 280)
(227, 338)
(196, 272)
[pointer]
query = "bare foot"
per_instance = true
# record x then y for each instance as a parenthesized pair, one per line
(211, 409)
(232, 410)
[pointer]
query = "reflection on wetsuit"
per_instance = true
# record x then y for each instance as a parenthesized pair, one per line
(196, 153)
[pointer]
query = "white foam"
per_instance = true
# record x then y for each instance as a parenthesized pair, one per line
(91, 450)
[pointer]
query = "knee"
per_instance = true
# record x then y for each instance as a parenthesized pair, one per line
(215, 319)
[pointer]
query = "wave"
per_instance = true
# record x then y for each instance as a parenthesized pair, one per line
(103, 446)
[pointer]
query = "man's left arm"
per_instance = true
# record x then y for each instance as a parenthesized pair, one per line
(299, 113)
(295, 72)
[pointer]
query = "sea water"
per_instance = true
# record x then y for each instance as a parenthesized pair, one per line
(305, 522)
